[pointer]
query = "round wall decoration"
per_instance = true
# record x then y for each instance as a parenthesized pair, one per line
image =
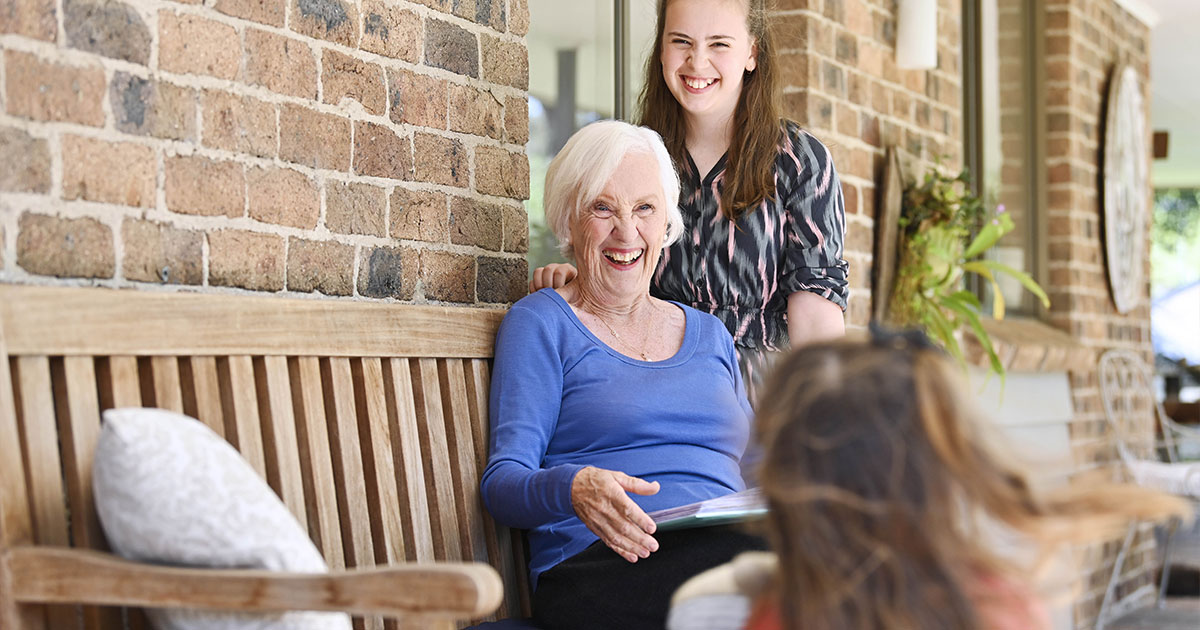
(1126, 188)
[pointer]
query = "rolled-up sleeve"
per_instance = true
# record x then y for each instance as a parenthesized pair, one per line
(816, 221)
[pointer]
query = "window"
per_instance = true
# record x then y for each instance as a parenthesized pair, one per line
(586, 59)
(1002, 83)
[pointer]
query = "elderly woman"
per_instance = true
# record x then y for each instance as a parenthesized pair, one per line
(608, 403)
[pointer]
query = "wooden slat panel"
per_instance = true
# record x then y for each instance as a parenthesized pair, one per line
(202, 392)
(16, 521)
(320, 491)
(119, 382)
(506, 559)
(387, 531)
(70, 321)
(78, 409)
(240, 408)
(279, 434)
(43, 468)
(342, 419)
(410, 474)
(436, 457)
(167, 393)
(463, 463)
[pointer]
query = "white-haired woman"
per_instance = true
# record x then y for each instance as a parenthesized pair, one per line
(607, 403)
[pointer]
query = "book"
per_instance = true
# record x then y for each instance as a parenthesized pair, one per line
(731, 508)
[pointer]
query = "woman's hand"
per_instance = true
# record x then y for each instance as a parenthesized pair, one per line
(554, 275)
(599, 498)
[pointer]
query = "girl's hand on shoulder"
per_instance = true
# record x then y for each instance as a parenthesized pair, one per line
(554, 276)
(600, 500)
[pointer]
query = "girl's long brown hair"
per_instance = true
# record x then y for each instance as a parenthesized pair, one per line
(878, 474)
(749, 176)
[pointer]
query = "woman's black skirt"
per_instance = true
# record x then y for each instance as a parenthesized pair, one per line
(598, 589)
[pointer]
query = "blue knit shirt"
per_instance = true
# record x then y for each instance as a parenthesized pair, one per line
(561, 400)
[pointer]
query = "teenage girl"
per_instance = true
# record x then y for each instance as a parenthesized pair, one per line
(764, 219)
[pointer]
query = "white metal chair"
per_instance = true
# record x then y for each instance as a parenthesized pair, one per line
(1148, 442)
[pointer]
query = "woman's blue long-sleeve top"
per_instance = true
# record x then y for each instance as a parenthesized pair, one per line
(562, 400)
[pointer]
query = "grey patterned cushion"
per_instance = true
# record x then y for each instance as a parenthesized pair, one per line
(170, 491)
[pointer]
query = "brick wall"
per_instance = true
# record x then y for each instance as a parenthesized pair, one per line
(368, 148)
(1085, 39)
(842, 84)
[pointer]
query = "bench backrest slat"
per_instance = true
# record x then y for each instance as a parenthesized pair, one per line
(368, 420)
(320, 485)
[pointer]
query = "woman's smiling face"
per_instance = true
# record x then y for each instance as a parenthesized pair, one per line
(618, 236)
(706, 50)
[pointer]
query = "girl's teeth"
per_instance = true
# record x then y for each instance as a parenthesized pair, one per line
(697, 84)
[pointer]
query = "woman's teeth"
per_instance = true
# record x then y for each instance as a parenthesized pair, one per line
(699, 84)
(624, 258)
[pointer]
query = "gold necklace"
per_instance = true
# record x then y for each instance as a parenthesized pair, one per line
(616, 336)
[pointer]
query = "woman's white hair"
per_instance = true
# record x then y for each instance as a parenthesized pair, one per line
(578, 174)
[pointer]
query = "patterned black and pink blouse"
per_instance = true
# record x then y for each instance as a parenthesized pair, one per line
(743, 272)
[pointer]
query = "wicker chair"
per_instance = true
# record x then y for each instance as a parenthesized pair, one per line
(1148, 442)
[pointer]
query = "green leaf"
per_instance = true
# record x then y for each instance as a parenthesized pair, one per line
(1025, 279)
(943, 329)
(982, 268)
(967, 297)
(983, 241)
(972, 319)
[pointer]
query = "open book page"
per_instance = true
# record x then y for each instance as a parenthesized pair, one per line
(739, 506)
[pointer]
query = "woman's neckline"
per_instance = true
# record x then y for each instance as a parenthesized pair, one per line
(707, 179)
(681, 355)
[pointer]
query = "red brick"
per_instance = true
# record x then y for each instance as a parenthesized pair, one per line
(419, 216)
(26, 163)
(448, 277)
(440, 160)
(144, 107)
(324, 266)
(331, 20)
(157, 252)
(475, 111)
(343, 76)
(516, 230)
(451, 47)
(379, 152)
(283, 197)
(50, 91)
(518, 17)
(417, 99)
(516, 119)
(498, 172)
(189, 44)
(502, 280)
(389, 272)
(270, 12)
(240, 124)
(505, 62)
(850, 194)
(35, 19)
(198, 185)
(314, 139)
(120, 173)
(65, 248)
(355, 208)
(246, 260)
(847, 120)
(281, 64)
(111, 29)
(391, 31)
(476, 223)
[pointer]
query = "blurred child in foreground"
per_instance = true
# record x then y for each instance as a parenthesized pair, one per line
(882, 489)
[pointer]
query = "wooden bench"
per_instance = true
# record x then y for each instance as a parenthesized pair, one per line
(369, 420)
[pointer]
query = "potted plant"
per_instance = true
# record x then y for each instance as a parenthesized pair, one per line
(945, 231)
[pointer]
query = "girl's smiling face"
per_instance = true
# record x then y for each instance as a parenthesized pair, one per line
(706, 50)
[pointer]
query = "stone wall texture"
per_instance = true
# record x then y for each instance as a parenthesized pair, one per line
(365, 148)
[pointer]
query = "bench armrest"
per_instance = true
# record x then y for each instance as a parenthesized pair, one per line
(53, 575)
